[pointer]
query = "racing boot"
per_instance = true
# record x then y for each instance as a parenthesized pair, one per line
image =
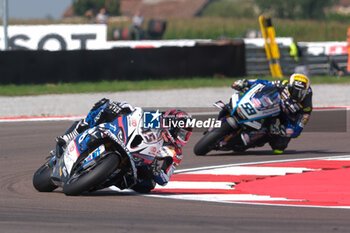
(245, 138)
(279, 144)
(251, 137)
(278, 152)
(69, 136)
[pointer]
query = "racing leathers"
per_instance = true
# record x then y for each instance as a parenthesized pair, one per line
(294, 116)
(105, 111)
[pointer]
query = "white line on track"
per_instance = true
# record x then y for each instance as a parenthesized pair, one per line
(340, 157)
(78, 117)
(247, 199)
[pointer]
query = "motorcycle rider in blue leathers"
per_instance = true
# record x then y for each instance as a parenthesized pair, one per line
(175, 138)
(296, 105)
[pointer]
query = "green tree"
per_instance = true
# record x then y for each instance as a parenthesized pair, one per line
(292, 9)
(81, 6)
(314, 9)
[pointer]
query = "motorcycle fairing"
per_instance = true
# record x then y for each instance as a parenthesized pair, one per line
(70, 155)
(256, 104)
(122, 131)
(94, 154)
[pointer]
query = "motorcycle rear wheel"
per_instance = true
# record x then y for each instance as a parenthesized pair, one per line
(210, 140)
(42, 181)
(99, 173)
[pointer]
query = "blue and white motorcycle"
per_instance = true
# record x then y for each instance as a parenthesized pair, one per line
(120, 153)
(247, 113)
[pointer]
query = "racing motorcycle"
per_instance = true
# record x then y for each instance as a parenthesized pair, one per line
(247, 113)
(120, 153)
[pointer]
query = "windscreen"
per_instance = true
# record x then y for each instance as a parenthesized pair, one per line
(267, 97)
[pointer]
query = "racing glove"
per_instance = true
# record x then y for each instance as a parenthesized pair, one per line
(290, 107)
(240, 85)
(280, 85)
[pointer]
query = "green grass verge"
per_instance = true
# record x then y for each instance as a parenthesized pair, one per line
(117, 86)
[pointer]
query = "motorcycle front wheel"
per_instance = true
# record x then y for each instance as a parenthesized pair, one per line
(41, 179)
(78, 183)
(210, 140)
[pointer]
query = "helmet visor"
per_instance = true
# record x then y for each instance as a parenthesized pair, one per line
(298, 86)
(298, 93)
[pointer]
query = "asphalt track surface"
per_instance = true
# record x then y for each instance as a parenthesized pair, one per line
(24, 146)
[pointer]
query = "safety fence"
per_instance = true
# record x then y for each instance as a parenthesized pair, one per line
(89, 57)
(315, 64)
(63, 53)
(206, 60)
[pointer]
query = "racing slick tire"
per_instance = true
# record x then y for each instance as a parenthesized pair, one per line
(210, 140)
(41, 179)
(95, 176)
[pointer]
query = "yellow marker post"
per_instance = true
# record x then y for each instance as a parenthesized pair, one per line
(262, 23)
(271, 47)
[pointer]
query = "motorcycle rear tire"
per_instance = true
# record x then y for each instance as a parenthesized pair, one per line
(95, 176)
(42, 181)
(210, 139)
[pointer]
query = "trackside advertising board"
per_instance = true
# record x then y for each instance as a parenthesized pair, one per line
(76, 37)
(55, 37)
